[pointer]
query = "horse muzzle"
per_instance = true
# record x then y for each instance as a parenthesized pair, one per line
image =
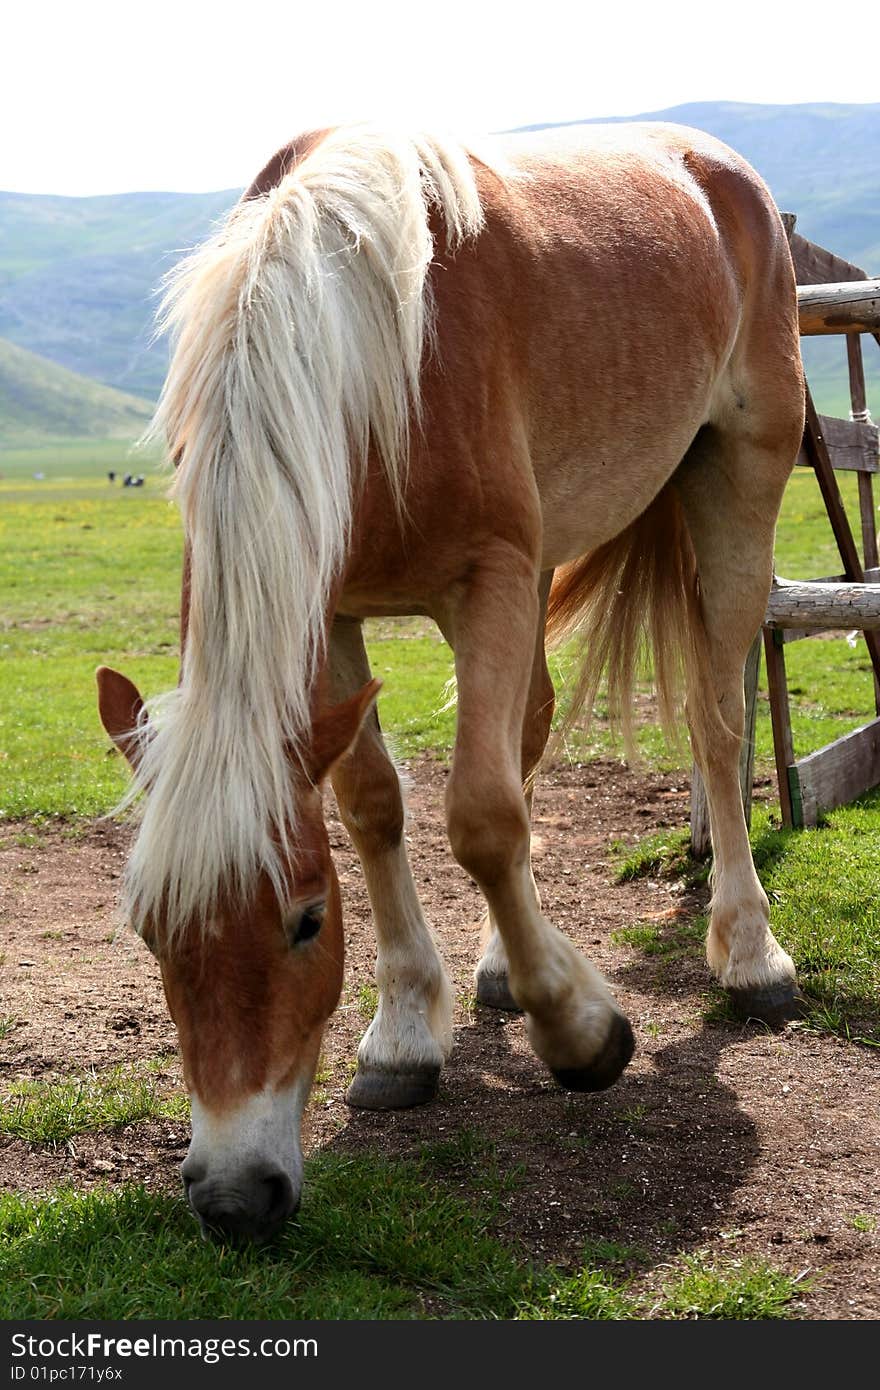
(253, 1209)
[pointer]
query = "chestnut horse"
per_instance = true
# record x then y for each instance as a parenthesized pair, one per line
(410, 380)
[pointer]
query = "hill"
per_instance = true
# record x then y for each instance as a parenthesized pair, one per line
(78, 276)
(40, 400)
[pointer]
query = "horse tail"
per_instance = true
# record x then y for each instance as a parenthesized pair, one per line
(634, 605)
(299, 331)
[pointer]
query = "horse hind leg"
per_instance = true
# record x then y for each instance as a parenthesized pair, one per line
(491, 980)
(410, 1036)
(730, 488)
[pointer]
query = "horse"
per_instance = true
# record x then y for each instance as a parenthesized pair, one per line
(549, 385)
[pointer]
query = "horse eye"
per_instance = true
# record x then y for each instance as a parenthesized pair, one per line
(306, 925)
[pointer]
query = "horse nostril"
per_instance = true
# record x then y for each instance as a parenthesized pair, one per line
(191, 1170)
(280, 1200)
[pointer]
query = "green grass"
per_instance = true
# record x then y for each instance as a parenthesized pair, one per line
(668, 940)
(87, 459)
(55, 1110)
(665, 854)
(747, 1289)
(367, 1001)
(866, 1224)
(822, 886)
(373, 1239)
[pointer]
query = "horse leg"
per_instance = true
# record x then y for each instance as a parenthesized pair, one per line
(731, 490)
(402, 1051)
(490, 976)
(572, 1020)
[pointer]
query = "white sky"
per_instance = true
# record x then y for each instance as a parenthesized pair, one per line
(102, 97)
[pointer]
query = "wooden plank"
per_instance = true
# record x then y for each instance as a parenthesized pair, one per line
(813, 265)
(856, 367)
(814, 445)
(838, 773)
(869, 524)
(853, 445)
(846, 307)
(780, 718)
(701, 837)
(817, 453)
(824, 607)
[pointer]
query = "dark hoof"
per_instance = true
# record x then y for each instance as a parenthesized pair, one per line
(372, 1089)
(494, 992)
(607, 1067)
(774, 1005)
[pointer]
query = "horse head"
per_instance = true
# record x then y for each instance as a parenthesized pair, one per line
(250, 990)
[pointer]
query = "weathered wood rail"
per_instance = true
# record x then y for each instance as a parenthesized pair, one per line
(818, 606)
(853, 306)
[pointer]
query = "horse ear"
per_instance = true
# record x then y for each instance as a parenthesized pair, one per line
(120, 707)
(334, 731)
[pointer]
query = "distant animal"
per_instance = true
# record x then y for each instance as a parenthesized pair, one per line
(111, 476)
(555, 384)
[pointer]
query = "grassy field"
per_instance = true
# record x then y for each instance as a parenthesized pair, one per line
(89, 573)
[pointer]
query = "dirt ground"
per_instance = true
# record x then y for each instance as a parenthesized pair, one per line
(719, 1137)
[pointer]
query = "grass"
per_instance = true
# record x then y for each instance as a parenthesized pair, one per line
(741, 1289)
(55, 1110)
(822, 886)
(374, 1239)
(669, 940)
(866, 1224)
(665, 854)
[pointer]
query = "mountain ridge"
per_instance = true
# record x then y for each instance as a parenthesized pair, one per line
(78, 275)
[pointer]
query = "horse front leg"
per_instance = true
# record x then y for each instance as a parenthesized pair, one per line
(491, 975)
(403, 1050)
(573, 1023)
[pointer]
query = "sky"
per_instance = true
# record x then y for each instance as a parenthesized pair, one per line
(112, 97)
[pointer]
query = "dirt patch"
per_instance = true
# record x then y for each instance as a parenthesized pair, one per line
(718, 1137)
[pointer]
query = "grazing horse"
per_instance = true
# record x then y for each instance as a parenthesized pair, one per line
(413, 379)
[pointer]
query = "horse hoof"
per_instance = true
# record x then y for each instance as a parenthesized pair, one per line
(374, 1089)
(770, 1004)
(607, 1067)
(493, 991)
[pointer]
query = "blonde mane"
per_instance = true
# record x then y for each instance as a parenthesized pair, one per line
(299, 331)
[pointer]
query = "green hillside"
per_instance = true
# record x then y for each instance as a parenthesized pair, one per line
(78, 276)
(40, 400)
